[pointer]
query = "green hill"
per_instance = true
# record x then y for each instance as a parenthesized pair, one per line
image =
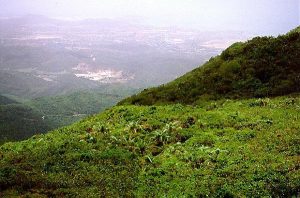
(261, 67)
(5, 100)
(226, 147)
(18, 121)
(67, 109)
(21, 120)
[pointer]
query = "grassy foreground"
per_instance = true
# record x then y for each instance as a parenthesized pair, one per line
(224, 148)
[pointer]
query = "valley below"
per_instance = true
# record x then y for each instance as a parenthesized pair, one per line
(114, 108)
(43, 59)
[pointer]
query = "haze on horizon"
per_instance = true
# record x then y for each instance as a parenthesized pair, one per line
(251, 16)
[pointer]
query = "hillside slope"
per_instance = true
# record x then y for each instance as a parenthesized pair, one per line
(215, 148)
(21, 120)
(226, 148)
(5, 100)
(66, 109)
(261, 67)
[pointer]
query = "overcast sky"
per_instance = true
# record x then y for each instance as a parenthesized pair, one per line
(257, 16)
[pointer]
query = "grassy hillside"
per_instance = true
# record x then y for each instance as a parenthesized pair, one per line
(225, 148)
(261, 67)
(5, 100)
(18, 121)
(66, 109)
(23, 119)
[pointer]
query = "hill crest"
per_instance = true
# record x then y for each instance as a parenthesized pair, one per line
(261, 67)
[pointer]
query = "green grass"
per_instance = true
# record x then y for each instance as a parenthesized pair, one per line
(223, 148)
(225, 145)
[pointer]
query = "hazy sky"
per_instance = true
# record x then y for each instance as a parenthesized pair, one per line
(258, 16)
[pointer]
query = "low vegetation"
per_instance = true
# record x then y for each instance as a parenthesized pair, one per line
(225, 148)
(233, 141)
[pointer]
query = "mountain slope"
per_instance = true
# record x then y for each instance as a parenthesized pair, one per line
(261, 67)
(18, 121)
(23, 119)
(218, 148)
(226, 148)
(5, 100)
(66, 109)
